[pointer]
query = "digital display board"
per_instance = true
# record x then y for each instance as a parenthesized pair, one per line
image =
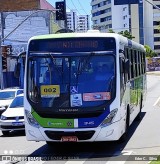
(73, 45)
(123, 2)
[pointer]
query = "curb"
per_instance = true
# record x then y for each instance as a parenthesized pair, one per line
(157, 73)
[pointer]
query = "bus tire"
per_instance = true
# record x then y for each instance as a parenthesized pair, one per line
(5, 133)
(123, 138)
(52, 144)
(139, 116)
(49, 143)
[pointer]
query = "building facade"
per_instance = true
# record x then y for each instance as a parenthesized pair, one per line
(83, 23)
(77, 23)
(18, 27)
(105, 16)
(135, 18)
(72, 20)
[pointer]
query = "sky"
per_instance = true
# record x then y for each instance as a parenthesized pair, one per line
(83, 7)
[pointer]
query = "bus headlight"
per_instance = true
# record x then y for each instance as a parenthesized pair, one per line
(31, 119)
(109, 118)
(3, 117)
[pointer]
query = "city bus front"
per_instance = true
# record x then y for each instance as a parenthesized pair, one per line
(70, 90)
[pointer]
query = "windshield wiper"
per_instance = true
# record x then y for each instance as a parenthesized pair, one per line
(82, 64)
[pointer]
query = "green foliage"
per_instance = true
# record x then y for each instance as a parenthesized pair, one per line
(126, 34)
(149, 52)
(111, 31)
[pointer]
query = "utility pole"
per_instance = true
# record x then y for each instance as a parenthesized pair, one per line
(65, 21)
(2, 35)
(1, 73)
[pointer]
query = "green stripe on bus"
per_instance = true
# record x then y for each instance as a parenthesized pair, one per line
(53, 122)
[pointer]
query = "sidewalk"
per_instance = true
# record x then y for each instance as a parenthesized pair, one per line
(157, 73)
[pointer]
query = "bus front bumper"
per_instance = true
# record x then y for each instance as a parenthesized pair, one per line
(108, 133)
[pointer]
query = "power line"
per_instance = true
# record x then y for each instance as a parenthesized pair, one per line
(75, 7)
(82, 8)
(153, 4)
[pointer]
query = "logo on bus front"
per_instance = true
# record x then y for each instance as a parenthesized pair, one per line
(49, 91)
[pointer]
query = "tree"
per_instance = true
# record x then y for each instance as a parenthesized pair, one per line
(149, 52)
(111, 31)
(126, 34)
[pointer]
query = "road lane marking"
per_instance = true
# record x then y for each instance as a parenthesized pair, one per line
(123, 153)
(34, 162)
(76, 162)
(157, 102)
(80, 161)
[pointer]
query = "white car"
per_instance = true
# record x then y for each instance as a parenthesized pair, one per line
(7, 96)
(13, 118)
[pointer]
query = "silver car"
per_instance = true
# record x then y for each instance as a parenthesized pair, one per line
(7, 96)
(13, 118)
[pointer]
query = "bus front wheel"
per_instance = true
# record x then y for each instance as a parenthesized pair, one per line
(123, 138)
(5, 133)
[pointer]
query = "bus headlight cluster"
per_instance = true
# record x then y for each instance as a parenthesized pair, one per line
(4, 107)
(3, 117)
(109, 118)
(31, 119)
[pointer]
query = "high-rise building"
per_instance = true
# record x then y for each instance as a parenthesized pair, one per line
(77, 23)
(72, 20)
(83, 23)
(135, 18)
(105, 16)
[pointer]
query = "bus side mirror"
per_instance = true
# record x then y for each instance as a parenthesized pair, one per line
(17, 70)
(126, 66)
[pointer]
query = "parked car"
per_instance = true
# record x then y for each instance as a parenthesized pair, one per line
(13, 118)
(7, 96)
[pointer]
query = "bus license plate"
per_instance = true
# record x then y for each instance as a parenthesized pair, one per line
(17, 123)
(69, 139)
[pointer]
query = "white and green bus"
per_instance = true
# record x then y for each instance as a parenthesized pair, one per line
(82, 87)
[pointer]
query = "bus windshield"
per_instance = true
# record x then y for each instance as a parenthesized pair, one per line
(60, 81)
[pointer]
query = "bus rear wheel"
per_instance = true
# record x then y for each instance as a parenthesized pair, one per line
(139, 116)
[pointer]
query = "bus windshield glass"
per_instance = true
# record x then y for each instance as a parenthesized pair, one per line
(57, 82)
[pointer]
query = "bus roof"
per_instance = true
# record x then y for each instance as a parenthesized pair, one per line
(92, 33)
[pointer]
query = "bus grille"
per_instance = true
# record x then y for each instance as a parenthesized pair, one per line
(81, 135)
(14, 118)
(12, 127)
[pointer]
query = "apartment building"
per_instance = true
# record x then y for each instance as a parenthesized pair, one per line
(77, 23)
(72, 20)
(105, 16)
(133, 17)
(83, 23)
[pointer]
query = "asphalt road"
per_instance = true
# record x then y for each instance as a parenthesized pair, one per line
(142, 145)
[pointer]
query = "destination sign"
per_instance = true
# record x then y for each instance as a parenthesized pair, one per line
(73, 44)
